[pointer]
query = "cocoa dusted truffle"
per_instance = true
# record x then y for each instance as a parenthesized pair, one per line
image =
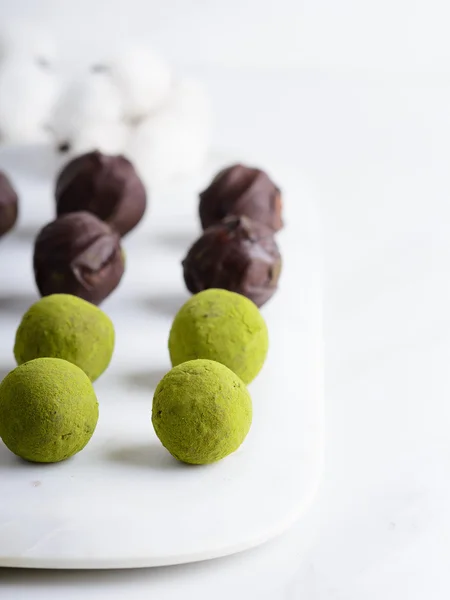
(239, 255)
(80, 255)
(241, 191)
(107, 186)
(9, 204)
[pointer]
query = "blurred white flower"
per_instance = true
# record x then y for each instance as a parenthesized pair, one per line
(143, 80)
(108, 138)
(29, 42)
(27, 98)
(129, 104)
(175, 140)
(88, 116)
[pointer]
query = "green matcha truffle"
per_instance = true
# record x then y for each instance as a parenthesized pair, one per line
(201, 411)
(222, 326)
(48, 410)
(64, 326)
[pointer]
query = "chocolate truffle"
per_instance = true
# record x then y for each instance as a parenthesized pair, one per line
(222, 326)
(241, 190)
(107, 186)
(8, 205)
(80, 255)
(239, 255)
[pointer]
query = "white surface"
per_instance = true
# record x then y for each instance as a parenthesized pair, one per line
(124, 501)
(387, 35)
(377, 149)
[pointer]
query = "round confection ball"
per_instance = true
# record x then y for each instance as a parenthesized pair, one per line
(107, 186)
(67, 327)
(80, 255)
(237, 254)
(241, 191)
(202, 411)
(48, 410)
(9, 205)
(222, 326)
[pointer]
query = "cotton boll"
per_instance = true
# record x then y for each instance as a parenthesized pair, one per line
(28, 42)
(27, 97)
(189, 99)
(107, 137)
(174, 142)
(87, 116)
(91, 99)
(143, 79)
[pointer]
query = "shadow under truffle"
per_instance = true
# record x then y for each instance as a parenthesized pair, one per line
(145, 456)
(166, 304)
(16, 303)
(35, 160)
(145, 379)
(26, 233)
(178, 240)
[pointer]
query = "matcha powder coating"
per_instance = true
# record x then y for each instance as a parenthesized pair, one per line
(201, 411)
(222, 326)
(48, 410)
(64, 326)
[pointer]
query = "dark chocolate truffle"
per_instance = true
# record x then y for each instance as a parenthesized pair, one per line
(107, 186)
(239, 255)
(241, 191)
(9, 205)
(80, 255)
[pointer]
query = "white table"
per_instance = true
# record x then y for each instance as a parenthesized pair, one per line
(376, 150)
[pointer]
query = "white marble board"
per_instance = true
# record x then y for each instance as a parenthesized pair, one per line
(124, 501)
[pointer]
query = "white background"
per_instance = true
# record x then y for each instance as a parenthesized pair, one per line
(357, 94)
(386, 34)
